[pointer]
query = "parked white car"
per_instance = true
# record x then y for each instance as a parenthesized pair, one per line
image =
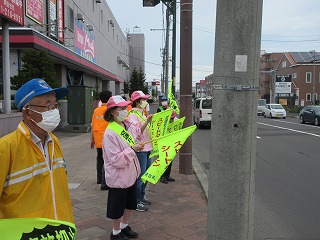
(261, 104)
(273, 110)
(202, 111)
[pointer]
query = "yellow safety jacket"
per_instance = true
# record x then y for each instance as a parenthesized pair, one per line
(29, 187)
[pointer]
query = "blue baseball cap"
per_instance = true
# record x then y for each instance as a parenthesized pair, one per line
(36, 87)
(164, 98)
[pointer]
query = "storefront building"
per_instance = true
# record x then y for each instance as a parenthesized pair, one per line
(83, 37)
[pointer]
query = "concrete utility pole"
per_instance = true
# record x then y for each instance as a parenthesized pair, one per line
(234, 115)
(185, 154)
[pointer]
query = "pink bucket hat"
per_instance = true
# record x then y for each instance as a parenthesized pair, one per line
(138, 94)
(117, 101)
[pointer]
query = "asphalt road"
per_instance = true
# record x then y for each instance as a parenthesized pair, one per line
(287, 195)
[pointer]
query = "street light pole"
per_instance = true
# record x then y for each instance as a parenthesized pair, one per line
(274, 80)
(166, 73)
(174, 32)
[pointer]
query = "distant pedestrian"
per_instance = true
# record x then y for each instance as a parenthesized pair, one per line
(164, 104)
(99, 125)
(33, 177)
(165, 178)
(122, 168)
(138, 127)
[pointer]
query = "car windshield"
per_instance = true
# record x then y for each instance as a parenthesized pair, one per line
(316, 109)
(261, 102)
(207, 104)
(276, 106)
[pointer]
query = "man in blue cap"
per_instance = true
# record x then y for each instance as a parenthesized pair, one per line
(164, 104)
(165, 178)
(33, 179)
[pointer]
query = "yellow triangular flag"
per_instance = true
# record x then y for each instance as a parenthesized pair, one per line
(158, 128)
(176, 125)
(168, 146)
(172, 99)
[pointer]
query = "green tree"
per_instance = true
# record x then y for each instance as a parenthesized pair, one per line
(137, 81)
(126, 87)
(35, 64)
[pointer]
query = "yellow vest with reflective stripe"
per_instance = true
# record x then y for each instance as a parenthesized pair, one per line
(28, 187)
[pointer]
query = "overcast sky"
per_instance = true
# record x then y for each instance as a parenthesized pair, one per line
(287, 25)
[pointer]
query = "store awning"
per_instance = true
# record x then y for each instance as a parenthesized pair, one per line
(29, 38)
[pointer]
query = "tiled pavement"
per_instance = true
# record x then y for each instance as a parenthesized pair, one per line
(178, 210)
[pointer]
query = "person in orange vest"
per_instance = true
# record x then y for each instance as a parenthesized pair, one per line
(99, 125)
(129, 107)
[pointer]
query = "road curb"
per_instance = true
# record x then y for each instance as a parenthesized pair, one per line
(200, 174)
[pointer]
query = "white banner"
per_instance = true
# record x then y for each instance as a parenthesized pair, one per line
(283, 87)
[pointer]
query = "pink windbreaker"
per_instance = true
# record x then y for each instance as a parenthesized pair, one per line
(121, 164)
(134, 129)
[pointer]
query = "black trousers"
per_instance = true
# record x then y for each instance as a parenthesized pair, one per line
(100, 168)
(167, 171)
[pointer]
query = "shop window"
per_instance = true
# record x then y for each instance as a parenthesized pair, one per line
(71, 19)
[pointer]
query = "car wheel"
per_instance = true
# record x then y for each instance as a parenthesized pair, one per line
(301, 119)
(284, 117)
(316, 121)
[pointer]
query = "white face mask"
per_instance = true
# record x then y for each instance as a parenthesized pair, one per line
(164, 103)
(50, 119)
(122, 115)
(143, 104)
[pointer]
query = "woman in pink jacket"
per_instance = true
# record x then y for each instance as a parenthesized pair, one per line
(121, 168)
(139, 129)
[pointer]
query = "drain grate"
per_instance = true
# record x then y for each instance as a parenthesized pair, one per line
(205, 165)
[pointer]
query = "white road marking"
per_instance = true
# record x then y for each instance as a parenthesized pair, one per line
(307, 125)
(289, 129)
(258, 137)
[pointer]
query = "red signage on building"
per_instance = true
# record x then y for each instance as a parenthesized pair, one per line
(34, 10)
(85, 42)
(13, 10)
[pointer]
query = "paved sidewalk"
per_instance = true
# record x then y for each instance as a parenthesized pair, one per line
(178, 210)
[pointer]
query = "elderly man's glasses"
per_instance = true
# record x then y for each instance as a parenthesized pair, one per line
(50, 107)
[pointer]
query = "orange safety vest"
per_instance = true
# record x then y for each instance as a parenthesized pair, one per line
(99, 125)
